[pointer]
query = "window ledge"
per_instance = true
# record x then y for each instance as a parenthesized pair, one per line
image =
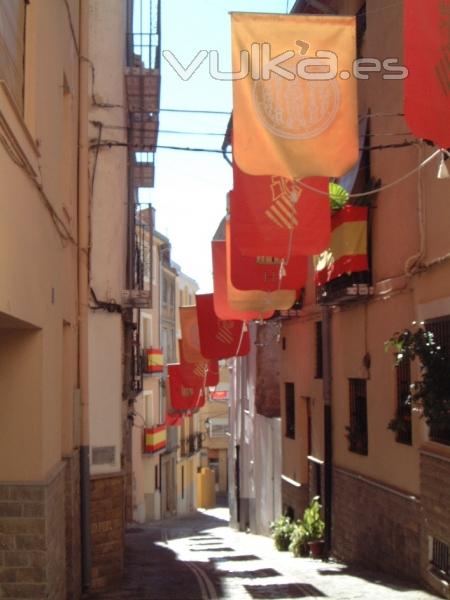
(13, 127)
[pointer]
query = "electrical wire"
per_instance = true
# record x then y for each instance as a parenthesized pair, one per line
(383, 187)
(60, 226)
(196, 111)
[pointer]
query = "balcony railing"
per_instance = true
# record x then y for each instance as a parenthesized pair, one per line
(192, 444)
(155, 439)
(348, 288)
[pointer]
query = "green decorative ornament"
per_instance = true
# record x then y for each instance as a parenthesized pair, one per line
(338, 196)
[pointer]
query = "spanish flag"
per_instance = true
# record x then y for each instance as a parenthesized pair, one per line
(294, 94)
(348, 251)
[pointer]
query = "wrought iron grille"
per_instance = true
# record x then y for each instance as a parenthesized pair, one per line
(357, 431)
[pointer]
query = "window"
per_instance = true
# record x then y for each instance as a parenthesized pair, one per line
(218, 427)
(403, 416)
(319, 352)
(440, 328)
(357, 431)
(12, 47)
(440, 558)
(289, 391)
(156, 478)
(146, 331)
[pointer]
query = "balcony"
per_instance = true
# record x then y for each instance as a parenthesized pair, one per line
(155, 439)
(153, 361)
(353, 287)
(191, 445)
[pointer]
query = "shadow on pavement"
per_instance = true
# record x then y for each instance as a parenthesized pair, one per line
(376, 577)
(283, 590)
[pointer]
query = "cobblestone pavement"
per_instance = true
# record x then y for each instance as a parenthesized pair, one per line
(200, 557)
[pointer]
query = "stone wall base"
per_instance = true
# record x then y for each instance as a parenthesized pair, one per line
(375, 526)
(107, 530)
(435, 498)
(32, 538)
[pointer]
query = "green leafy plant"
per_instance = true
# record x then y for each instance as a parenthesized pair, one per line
(431, 395)
(312, 521)
(299, 540)
(282, 530)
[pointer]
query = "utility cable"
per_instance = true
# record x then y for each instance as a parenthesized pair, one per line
(61, 228)
(383, 187)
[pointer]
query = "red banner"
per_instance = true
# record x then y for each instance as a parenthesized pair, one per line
(182, 397)
(204, 373)
(271, 216)
(219, 339)
(222, 307)
(427, 56)
(263, 272)
(174, 419)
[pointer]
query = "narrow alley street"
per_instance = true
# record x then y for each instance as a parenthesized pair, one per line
(200, 557)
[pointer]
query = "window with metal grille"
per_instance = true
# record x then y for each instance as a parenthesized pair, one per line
(289, 391)
(357, 431)
(12, 47)
(440, 558)
(403, 416)
(440, 328)
(319, 352)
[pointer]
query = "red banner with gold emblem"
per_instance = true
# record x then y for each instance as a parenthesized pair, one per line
(222, 307)
(183, 397)
(219, 339)
(427, 57)
(277, 217)
(203, 373)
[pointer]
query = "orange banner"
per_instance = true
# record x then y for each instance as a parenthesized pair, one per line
(294, 95)
(190, 341)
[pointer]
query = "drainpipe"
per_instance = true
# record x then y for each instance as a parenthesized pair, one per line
(327, 423)
(83, 291)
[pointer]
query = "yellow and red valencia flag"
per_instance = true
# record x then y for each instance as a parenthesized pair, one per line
(294, 94)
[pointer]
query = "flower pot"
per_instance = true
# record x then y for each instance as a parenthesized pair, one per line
(317, 548)
(282, 543)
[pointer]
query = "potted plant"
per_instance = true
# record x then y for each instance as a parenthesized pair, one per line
(282, 530)
(299, 540)
(430, 396)
(314, 528)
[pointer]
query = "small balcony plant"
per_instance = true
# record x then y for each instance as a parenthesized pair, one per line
(282, 530)
(431, 395)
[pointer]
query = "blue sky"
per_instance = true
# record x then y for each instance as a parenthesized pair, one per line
(190, 188)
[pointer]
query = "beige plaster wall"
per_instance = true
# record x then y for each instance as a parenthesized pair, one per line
(38, 267)
(107, 43)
